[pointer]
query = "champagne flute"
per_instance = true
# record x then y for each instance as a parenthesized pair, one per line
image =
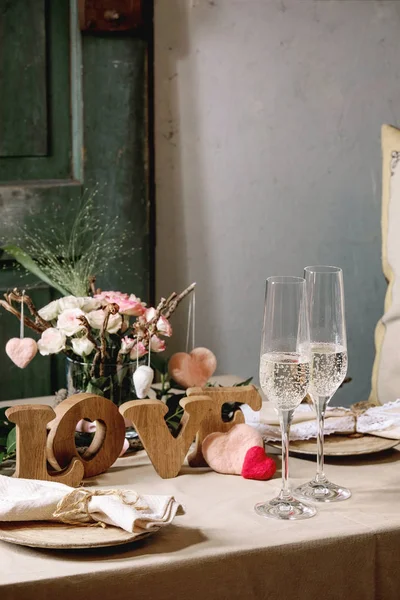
(284, 376)
(328, 367)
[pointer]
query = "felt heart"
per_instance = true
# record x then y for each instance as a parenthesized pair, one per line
(142, 379)
(257, 465)
(194, 369)
(225, 452)
(21, 351)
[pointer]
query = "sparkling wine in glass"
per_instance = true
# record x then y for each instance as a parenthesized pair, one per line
(285, 376)
(328, 366)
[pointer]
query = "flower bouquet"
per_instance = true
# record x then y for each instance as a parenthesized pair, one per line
(104, 335)
(108, 339)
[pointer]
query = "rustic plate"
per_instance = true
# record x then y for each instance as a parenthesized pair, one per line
(43, 534)
(341, 445)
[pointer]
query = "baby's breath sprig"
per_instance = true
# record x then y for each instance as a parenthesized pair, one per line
(67, 253)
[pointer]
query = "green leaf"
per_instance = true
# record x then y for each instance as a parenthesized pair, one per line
(30, 265)
(247, 382)
(12, 441)
(3, 440)
(92, 389)
(99, 381)
(159, 363)
(173, 424)
(2, 455)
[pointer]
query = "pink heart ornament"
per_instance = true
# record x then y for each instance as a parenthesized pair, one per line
(194, 369)
(225, 452)
(21, 351)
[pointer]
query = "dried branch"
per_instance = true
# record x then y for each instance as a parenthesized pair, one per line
(110, 309)
(173, 302)
(17, 314)
(96, 358)
(144, 332)
(17, 296)
(89, 336)
(92, 284)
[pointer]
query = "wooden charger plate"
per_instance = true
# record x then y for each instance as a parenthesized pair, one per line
(44, 534)
(341, 445)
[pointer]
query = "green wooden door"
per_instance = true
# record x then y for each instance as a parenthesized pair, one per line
(73, 110)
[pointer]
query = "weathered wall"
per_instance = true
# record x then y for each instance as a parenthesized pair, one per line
(268, 116)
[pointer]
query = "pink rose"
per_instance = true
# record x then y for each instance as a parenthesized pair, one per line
(86, 426)
(68, 321)
(125, 447)
(128, 305)
(156, 344)
(138, 351)
(127, 344)
(149, 314)
(164, 327)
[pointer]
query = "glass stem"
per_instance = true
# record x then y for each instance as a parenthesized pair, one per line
(285, 418)
(320, 407)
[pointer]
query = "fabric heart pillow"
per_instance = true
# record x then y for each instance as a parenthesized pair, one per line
(238, 452)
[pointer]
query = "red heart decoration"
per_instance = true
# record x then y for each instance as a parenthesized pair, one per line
(257, 465)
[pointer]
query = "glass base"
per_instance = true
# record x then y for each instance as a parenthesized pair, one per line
(323, 491)
(288, 510)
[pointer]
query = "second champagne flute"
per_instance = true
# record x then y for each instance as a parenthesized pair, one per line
(328, 365)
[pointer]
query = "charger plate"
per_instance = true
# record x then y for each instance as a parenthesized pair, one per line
(44, 534)
(341, 445)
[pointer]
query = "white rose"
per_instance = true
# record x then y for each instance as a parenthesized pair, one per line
(51, 342)
(50, 311)
(90, 304)
(96, 320)
(70, 302)
(68, 321)
(82, 346)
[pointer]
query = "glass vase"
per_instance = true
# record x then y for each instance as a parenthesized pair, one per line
(114, 382)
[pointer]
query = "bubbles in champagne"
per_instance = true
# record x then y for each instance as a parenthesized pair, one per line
(284, 378)
(328, 368)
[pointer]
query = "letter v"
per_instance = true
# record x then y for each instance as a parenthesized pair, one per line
(166, 452)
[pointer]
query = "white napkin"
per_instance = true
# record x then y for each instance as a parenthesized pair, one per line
(32, 500)
(382, 421)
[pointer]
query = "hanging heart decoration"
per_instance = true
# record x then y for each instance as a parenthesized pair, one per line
(142, 379)
(21, 351)
(194, 369)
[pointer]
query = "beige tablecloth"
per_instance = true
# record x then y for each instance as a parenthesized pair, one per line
(221, 549)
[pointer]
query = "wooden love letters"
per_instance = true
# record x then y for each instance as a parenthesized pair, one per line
(46, 436)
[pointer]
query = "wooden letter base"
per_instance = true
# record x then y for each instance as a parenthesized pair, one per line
(46, 436)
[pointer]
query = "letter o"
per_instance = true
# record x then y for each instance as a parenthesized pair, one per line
(108, 439)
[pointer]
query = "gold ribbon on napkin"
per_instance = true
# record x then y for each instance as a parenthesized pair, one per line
(73, 509)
